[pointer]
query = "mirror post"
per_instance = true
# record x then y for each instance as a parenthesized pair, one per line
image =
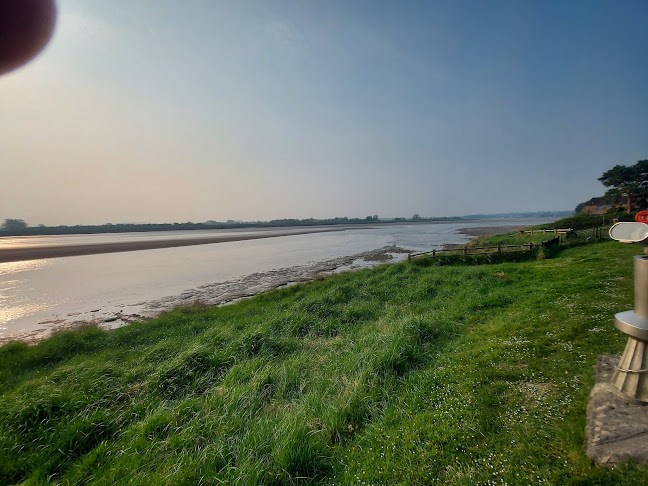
(630, 377)
(631, 374)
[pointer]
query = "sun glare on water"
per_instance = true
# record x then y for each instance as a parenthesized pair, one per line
(16, 312)
(11, 268)
(13, 306)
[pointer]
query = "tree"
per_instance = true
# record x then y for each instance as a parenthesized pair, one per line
(416, 217)
(13, 225)
(627, 183)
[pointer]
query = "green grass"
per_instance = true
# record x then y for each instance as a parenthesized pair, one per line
(586, 221)
(512, 238)
(403, 374)
(518, 238)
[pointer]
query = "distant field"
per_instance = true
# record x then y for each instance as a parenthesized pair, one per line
(403, 374)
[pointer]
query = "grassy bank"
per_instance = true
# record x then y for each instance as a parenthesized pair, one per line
(404, 374)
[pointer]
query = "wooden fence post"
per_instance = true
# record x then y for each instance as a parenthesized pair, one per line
(433, 253)
(499, 248)
(530, 246)
(465, 251)
(409, 258)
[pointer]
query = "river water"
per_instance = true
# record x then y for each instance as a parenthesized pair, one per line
(38, 296)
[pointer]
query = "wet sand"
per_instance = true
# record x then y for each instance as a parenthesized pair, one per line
(17, 254)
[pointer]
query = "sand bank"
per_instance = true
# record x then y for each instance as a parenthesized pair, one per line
(22, 253)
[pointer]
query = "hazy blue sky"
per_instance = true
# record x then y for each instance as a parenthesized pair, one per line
(168, 111)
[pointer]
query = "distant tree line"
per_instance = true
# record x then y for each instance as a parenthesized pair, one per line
(18, 227)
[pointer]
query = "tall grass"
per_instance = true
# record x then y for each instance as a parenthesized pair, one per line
(403, 374)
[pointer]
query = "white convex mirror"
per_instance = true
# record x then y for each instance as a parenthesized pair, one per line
(629, 232)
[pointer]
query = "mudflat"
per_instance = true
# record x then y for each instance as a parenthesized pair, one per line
(17, 254)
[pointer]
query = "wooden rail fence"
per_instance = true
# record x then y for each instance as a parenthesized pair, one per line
(482, 249)
(562, 231)
(561, 236)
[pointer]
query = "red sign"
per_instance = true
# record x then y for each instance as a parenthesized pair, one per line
(642, 217)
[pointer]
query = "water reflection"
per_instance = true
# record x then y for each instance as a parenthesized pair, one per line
(25, 266)
(16, 312)
(18, 299)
